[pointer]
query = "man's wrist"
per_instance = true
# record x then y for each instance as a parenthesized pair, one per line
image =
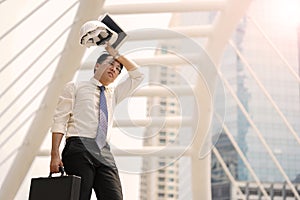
(54, 153)
(116, 56)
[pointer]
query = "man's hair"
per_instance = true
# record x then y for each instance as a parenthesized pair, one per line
(102, 58)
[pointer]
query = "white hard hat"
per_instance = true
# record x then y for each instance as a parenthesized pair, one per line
(95, 33)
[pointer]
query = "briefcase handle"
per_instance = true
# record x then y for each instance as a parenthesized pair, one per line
(61, 170)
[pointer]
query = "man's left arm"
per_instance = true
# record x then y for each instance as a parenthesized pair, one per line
(126, 87)
(134, 79)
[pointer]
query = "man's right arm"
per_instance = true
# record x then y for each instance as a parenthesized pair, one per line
(60, 120)
(55, 162)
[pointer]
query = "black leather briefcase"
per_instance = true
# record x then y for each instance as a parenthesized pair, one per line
(64, 187)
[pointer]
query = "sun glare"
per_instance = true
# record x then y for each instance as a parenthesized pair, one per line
(287, 13)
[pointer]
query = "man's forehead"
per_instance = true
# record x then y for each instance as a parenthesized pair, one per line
(112, 60)
(109, 57)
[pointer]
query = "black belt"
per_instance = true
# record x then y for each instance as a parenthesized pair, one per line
(84, 140)
(77, 138)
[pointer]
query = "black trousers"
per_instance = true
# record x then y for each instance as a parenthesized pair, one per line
(82, 157)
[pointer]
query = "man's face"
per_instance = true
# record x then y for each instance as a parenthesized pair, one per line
(111, 69)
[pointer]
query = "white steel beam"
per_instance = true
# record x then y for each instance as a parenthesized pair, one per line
(71, 57)
(153, 151)
(161, 91)
(167, 121)
(200, 167)
(164, 7)
(189, 31)
(227, 171)
(161, 59)
(194, 30)
(224, 25)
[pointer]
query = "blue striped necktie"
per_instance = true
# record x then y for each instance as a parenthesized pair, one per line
(103, 119)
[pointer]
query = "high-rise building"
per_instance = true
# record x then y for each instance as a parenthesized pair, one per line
(160, 180)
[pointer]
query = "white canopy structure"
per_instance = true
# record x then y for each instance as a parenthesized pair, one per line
(35, 66)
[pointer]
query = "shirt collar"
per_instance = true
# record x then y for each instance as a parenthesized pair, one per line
(95, 82)
(98, 84)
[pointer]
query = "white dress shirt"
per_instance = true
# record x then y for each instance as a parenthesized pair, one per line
(77, 111)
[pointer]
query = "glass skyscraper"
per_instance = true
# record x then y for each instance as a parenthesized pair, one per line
(271, 72)
(261, 79)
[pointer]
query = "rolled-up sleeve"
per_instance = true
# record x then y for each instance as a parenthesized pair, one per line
(135, 77)
(63, 109)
